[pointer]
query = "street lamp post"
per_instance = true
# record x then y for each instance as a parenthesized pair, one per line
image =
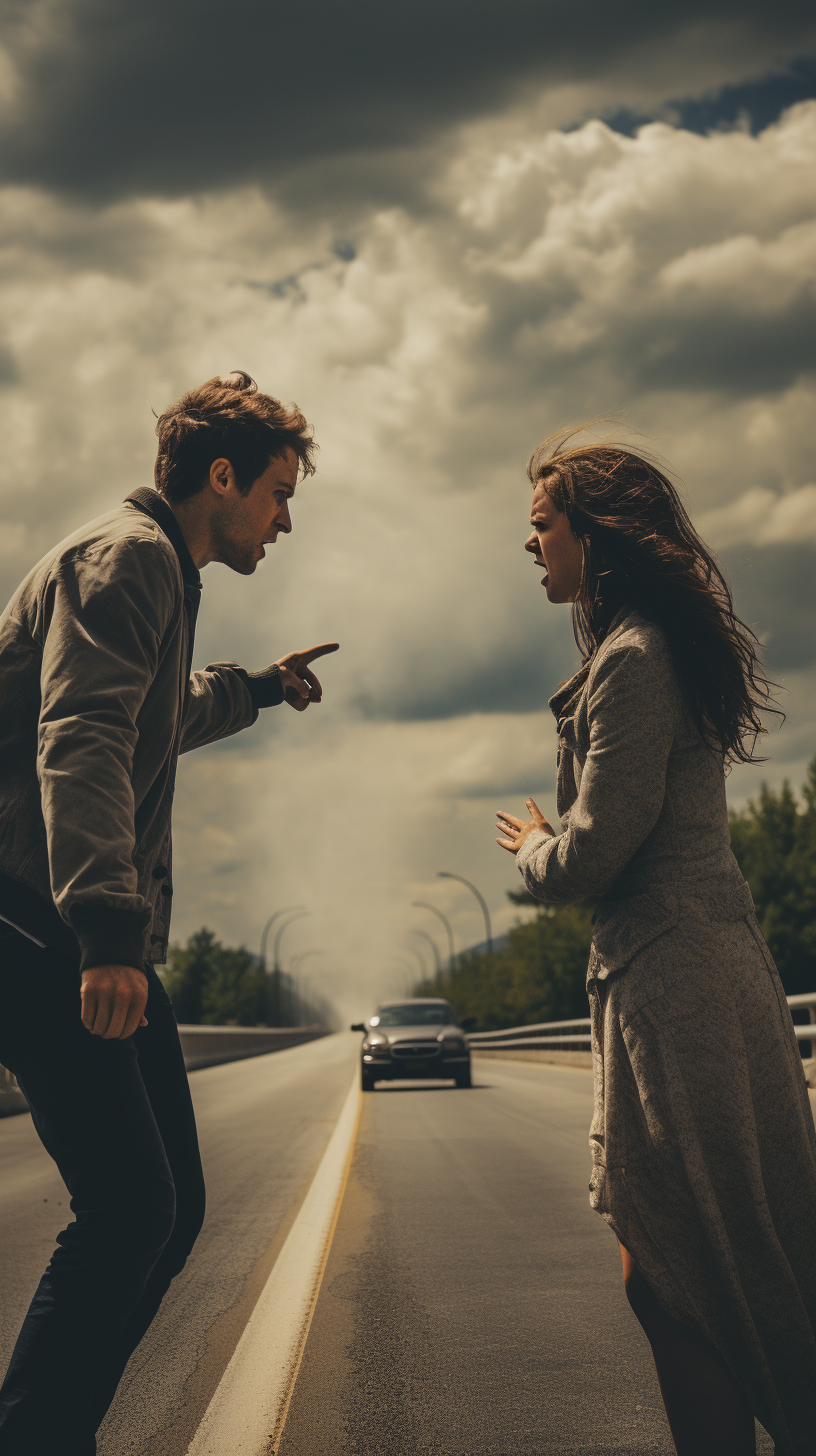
(446, 875)
(422, 966)
(422, 905)
(405, 968)
(270, 922)
(304, 955)
(294, 971)
(297, 914)
(434, 948)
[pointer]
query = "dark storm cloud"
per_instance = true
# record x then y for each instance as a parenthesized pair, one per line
(757, 102)
(706, 346)
(773, 592)
(113, 99)
(517, 677)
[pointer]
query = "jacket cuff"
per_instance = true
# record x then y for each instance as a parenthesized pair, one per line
(531, 845)
(109, 937)
(265, 688)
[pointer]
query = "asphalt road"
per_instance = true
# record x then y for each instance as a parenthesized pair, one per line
(472, 1303)
(264, 1124)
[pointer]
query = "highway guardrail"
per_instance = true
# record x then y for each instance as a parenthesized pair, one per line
(206, 1046)
(203, 1046)
(563, 1036)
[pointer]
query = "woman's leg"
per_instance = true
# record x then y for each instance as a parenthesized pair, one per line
(706, 1412)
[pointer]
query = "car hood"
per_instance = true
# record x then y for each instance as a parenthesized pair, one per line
(413, 1033)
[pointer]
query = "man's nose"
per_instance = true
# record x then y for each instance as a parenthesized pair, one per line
(284, 522)
(531, 544)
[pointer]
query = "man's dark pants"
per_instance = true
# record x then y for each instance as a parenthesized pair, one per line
(117, 1118)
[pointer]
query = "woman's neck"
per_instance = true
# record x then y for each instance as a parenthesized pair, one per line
(612, 595)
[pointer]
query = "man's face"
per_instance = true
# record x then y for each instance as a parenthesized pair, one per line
(243, 524)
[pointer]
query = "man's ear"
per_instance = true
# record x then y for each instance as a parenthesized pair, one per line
(222, 476)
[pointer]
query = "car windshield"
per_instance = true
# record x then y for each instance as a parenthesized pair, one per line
(414, 1016)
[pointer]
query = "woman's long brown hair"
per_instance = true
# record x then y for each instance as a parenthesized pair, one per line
(640, 547)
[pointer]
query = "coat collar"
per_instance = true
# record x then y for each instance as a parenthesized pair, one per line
(564, 700)
(154, 505)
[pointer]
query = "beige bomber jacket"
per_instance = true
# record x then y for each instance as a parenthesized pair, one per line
(96, 702)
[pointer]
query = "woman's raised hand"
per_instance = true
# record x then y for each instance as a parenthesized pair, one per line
(516, 830)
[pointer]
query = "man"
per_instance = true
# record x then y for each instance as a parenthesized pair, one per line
(96, 702)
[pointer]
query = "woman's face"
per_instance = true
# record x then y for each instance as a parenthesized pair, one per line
(554, 547)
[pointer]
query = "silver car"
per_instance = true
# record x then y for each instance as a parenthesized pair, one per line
(413, 1038)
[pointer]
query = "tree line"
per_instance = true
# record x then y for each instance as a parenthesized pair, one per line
(211, 984)
(540, 972)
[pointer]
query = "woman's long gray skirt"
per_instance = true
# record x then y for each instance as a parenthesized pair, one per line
(705, 1153)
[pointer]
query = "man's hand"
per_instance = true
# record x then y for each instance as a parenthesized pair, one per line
(113, 1001)
(300, 686)
(516, 830)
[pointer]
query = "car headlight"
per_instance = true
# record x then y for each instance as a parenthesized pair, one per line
(452, 1044)
(375, 1048)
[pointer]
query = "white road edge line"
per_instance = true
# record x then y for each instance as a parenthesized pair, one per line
(250, 1403)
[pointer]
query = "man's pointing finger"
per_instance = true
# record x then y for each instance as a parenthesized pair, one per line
(322, 651)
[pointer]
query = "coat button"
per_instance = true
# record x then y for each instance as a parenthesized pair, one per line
(166, 890)
(157, 940)
(159, 872)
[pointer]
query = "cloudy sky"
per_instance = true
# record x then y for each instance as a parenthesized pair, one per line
(445, 230)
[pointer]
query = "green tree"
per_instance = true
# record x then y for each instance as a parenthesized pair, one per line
(774, 840)
(216, 985)
(538, 975)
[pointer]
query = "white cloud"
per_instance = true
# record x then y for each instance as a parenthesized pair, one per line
(666, 277)
(762, 518)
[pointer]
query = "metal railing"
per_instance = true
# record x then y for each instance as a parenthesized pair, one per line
(805, 1031)
(560, 1036)
(545, 1034)
(207, 1046)
(203, 1046)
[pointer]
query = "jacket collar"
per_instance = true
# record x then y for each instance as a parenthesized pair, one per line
(619, 620)
(154, 505)
(565, 700)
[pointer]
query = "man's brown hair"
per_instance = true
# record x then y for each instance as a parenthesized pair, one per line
(229, 419)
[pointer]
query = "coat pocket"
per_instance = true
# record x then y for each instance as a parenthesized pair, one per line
(727, 899)
(623, 928)
(630, 1007)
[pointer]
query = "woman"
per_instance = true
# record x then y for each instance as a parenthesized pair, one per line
(703, 1139)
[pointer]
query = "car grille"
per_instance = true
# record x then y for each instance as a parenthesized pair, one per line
(415, 1049)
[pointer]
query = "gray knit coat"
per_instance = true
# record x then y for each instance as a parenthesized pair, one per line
(703, 1142)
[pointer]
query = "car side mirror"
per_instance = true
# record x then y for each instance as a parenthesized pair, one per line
(468, 1023)
(358, 1026)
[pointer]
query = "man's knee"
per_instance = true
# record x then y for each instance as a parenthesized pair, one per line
(154, 1225)
(134, 1232)
(187, 1227)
